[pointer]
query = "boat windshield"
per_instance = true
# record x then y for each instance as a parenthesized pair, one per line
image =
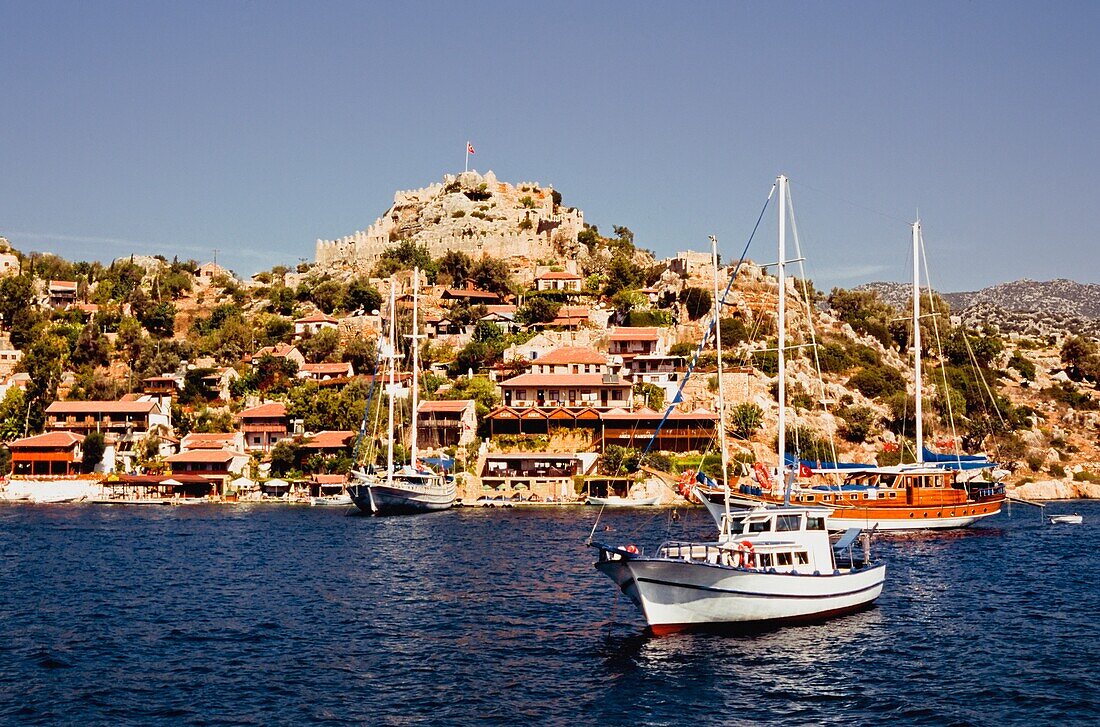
(788, 522)
(759, 526)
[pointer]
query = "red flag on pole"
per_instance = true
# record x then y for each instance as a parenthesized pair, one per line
(804, 471)
(469, 148)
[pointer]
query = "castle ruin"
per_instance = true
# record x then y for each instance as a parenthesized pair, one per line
(468, 212)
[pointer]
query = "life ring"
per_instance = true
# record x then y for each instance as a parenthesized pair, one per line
(632, 549)
(685, 482)
(748, 557)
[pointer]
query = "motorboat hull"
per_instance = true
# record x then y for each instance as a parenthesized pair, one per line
(1066, 519)
(676, 595)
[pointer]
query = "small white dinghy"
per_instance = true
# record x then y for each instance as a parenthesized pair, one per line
(1073, 519)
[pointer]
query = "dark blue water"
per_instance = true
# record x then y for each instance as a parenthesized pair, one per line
(263, 615)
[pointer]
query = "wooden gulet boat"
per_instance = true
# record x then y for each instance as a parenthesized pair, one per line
(909, 497)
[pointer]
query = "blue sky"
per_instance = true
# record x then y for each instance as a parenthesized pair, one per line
(257, 127)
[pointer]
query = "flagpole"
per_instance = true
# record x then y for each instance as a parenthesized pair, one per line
(467, 155)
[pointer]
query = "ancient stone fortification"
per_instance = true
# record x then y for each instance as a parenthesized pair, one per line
(469, 212)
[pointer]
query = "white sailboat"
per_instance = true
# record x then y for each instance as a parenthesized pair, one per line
(770, 565)
(410, 488)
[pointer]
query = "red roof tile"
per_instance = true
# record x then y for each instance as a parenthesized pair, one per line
(205, 455)
(563, 380)
(273, 409)
(559, 275)
(335, 439)
(571, 355)
(49, 439)
(447, 405)
(317, 318)
(101, 407)
(634, 334)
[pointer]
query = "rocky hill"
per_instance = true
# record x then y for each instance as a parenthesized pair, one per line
(1028, 307)
(471, 213)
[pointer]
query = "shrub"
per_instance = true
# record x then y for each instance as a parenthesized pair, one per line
(876, 381)
(745, 419)
(860, 422)
(617, 460)
(697, 301)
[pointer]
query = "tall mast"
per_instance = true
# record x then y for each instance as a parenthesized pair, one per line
(916, 343)
(721, 383)
(393, 363)
(781, 471)
(415, 338)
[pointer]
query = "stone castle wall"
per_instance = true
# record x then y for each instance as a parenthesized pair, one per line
(501, 220)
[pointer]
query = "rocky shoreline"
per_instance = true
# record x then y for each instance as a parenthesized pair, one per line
(1056, 490)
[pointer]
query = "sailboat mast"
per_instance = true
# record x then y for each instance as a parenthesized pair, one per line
(721, 378)
(393, 364)
(415, 338)
(917, 345)
(781, 470)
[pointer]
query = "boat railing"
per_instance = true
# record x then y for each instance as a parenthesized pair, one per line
(677, 550)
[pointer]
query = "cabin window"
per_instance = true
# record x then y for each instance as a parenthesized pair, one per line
(802, 558)
(893, 494)
(782, 558)
(815, 523)
(788, 522)
(759, 526)
(765, 560)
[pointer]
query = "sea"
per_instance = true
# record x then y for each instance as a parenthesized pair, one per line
(260, 615)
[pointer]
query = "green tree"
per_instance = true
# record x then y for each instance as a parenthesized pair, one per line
(12, 415)
(284, 458)
(45, 359)
(160, 319)
(328, 295)
(537, 310)
(361, 295)
(91, 347)
(493, 275)
(618, 461)
(651, 395)
(94, 447)
(17, 309)
(745, 419)
(455, 268)
(697, 301)
(405, 255)
(324, 345)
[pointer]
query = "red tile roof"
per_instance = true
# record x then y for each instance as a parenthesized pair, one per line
(335, 439)
(205, 455)
(101, 407)
(325, 368)
(50, 439)
(62, 285)
(329, 479)
(203, 440)
(559, 275)
(449, 405)
(472, 293)
(571, 355)
(563, 380)
(634, 334)
(317, 318)
(279, 350)
(274, 409)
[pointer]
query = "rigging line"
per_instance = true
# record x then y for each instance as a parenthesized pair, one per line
(717, 316)
(939, 349)
(974, 360)
(863, 207)
(810, 320)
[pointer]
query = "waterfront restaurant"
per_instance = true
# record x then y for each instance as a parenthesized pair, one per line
(446, 423)
(682, 431)
(54, 454)
(216, 466)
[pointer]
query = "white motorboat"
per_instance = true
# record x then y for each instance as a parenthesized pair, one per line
(769, 565)
(1073, 519)
(617, 501)
(779, 568)
(340, 499)
(411, 488)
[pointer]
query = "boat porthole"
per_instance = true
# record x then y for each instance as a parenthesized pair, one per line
(910, 514)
